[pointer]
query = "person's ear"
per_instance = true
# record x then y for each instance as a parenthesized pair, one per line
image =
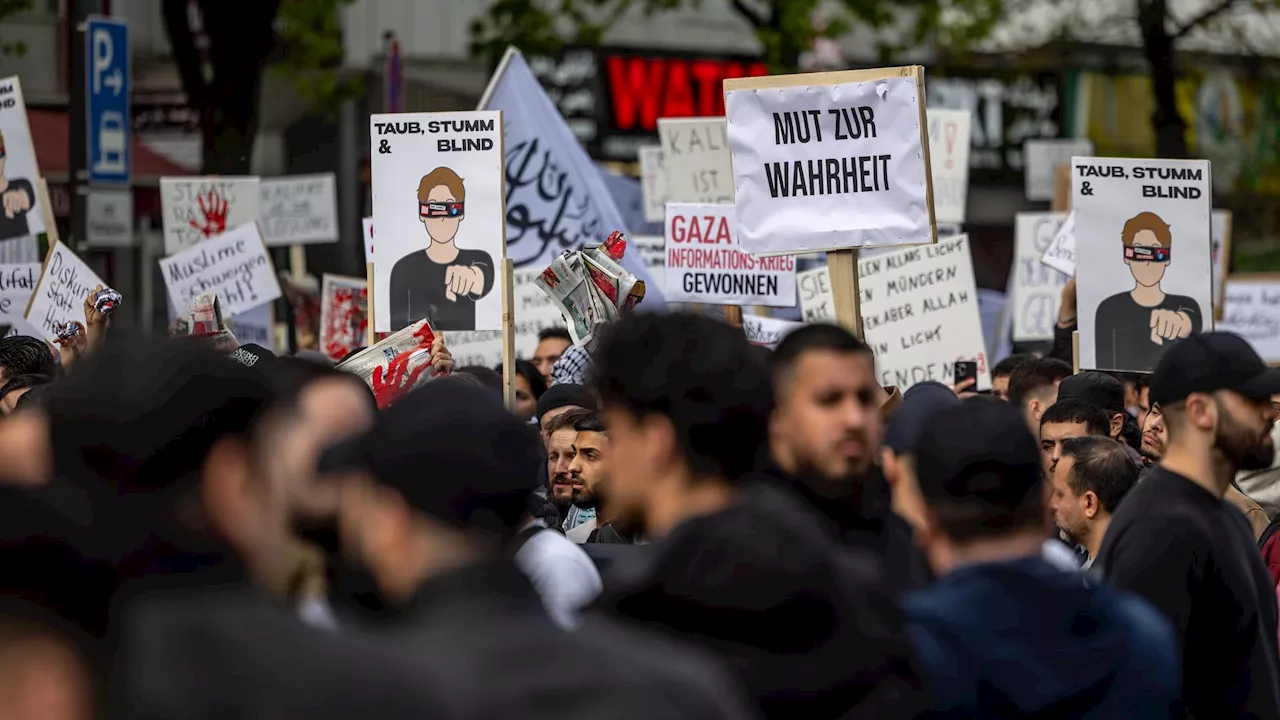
(1092, 506)
(659, 435)
(1117, 423)
(224, 491)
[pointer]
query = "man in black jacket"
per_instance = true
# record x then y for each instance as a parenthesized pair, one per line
(444, 477)
(824, 438)
(745, 569)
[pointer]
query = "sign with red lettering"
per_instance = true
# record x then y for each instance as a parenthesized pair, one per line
(612, 97)
(705, 263)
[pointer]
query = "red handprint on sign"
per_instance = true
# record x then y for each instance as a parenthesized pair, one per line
(214, 208)
(390, 385)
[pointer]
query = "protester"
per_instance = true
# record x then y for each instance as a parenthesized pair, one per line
(743, 568)
(22, 355)
(1002, 633)
(1088, 482)
(587, 473)
(901, 440)
(1153, 437)
(530, 385)
(559, 399)
(1175, 542)
(824, 442)
(1263, 486)
(17, 387)
(572, 492)
(1067, 419)
(434, 547)
(1033, 387)
(560, 433)
(1107, 393)
(552, 342)
(1003, 370)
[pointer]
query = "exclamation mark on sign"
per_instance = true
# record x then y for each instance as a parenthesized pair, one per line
(949, 132)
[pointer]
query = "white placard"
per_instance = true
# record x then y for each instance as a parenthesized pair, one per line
(366, 225)
(1035, 289)
(1041, 159)
(1135, 301)
(829, 167)
(815, 296)
(705, 263)
(1251, 309)
(533, 314)
(254, 326)
(19, 326)
(17, 283)
(64, 285)
(199, 208)
(949, 139)
(438, 204)
(344, 315)
(695, 158)
(920, 313)
(299, 210)
(653, 183)
(234, 265)
(109, 218)
(652, 250)
(1220, 231)
(767, 331)
(1061, 252)
(20, 214)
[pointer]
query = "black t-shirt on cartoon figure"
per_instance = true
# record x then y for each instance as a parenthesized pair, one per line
(443, 282)
(1134, 328)
(17, 197)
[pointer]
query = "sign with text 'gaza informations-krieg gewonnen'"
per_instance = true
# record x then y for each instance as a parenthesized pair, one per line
(705, 263)
(830, 161)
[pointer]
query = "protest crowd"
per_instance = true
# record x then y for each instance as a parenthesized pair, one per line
(650, 510)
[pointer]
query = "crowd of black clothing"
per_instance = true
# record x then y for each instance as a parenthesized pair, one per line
(816, 546)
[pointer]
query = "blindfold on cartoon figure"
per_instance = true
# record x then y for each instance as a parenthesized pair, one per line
(440, 210)
(1146, 254)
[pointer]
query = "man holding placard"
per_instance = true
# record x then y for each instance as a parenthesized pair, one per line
(1135, 301)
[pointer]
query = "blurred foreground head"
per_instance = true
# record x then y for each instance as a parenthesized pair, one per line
(440, 482)
(686, 404)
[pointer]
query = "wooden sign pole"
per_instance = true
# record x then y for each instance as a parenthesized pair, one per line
(298, 262)
(1075, 352)
(1061, 188)
(371, 337)
(842, 267)
(508, 335)
(733, 315)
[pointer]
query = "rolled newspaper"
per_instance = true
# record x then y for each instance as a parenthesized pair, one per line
(391, 367)
(590, 288)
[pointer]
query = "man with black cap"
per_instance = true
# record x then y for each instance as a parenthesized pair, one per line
(442, 484)
(746, 569)
(561, 399)
(1003, 633)
(1177, 543)
(1108, 393)
(824, 441)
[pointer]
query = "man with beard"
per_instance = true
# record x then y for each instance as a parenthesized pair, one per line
(1089, 480)
(1153, 437)
(438, 486)
(560, 433)
(824, 439)
(1178, 544)
(586, 473)
(744, 569)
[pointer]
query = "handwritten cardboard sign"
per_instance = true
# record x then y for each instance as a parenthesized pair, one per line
(65, 283)
(17, 283)
(196, 209)
(299, 210)
(653, 183)
(695, 157)
(1036, 288)
(1251, 309)
(1061, 251)
(234, 265)
(767, 331)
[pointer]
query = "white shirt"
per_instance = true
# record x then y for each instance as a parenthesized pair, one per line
(562, 573)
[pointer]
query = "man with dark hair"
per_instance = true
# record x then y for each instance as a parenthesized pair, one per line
(552, 342)
(587, 472)
(743, 568)
(1003, 633)
(436, 547)
(18, 387)
(901, 439)
(824, 440)
(1089, 481)
(1177, 543)
(22, 355)
(560, 399)
(1033, 387)
(487, 376)
(1002, 370)
(1067, 419)
(1108, 393)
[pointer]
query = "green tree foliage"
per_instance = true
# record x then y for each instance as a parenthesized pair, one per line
(9, 8)
(310, 34)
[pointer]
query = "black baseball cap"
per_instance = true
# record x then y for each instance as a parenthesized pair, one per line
(1095, 388)
(979, 450)
(563, 394)
(454, 453)
(920, 404)
(1209, 362)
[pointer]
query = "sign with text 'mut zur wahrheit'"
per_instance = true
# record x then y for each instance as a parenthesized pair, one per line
(830, 161)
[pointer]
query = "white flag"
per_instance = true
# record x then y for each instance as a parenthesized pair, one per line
(556, 199)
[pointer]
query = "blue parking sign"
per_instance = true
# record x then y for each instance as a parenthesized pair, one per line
(107, 84)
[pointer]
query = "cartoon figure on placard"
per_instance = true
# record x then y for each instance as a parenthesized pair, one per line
(17, 195)
(444, 282)
(1134, 327)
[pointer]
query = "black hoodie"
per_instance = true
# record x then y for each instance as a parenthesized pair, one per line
(804, 623)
